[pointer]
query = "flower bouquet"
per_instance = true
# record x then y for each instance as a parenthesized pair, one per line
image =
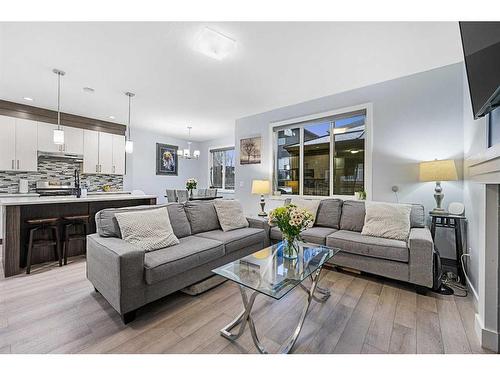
(191, 184)
(291, 221)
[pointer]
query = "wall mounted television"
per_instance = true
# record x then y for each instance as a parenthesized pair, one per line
(481, 46)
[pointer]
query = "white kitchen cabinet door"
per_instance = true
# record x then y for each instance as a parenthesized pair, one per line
(73, 140)
(118, 154)
(7, 143)
(90, 151)
(105, 153)
(26, 145)
(46, 138)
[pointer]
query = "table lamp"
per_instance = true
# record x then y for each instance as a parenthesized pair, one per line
(437, 171)
(261, 187)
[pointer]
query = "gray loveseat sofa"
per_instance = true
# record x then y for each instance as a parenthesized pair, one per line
(128, 278)
(339, 224)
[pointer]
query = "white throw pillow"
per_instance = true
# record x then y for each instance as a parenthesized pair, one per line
(310, 205)
(147, 229)
(387, 220)
(230, 214)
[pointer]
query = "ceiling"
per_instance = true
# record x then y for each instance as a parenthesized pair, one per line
(275, 64)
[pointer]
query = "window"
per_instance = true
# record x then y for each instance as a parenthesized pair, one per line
(222, 168)
(321, 157)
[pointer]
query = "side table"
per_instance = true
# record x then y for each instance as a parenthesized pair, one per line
(443, 220)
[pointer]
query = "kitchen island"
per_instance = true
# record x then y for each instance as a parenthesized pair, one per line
(16, 210)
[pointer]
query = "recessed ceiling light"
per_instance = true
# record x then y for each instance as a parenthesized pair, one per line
(112, 117)
(28, 99)
(89, 90)
(214, 44)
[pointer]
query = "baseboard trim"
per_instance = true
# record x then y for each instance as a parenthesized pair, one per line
(488, 339)
(474, 295)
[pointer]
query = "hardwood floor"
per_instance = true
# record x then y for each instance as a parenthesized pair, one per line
(56, 310)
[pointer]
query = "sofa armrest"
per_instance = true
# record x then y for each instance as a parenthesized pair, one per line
(261, 223)
(421, 247)
(115, 268)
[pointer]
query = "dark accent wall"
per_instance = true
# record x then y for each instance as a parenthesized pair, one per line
(48, 116)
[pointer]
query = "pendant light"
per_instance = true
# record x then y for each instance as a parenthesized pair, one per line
(129, 145)
(58, 136)
(186, 153)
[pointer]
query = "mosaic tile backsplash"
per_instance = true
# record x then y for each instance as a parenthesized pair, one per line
(58, 170)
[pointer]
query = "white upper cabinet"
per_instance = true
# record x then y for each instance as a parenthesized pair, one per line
(46, 138)
(90, 151)
(118, 154)
(73, 140)
(105, 153)
(18, 144)
(7, 143)
(26, 145)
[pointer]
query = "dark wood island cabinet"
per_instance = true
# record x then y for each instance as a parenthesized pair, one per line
(16, 212)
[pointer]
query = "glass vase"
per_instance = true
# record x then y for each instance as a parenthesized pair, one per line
(290, 247)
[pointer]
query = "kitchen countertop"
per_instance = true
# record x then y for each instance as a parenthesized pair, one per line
(18, 200)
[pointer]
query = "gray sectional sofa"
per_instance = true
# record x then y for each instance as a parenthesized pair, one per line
(130, 278)
(339, 224)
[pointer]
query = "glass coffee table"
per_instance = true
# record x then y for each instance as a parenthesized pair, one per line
(267, 272)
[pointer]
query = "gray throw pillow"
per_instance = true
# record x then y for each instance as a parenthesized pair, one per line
(230, 214)
(148, 229)
(329, 212)
(202, 216)
(353, 216)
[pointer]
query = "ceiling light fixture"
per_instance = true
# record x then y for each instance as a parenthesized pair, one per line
(28, 99)
(89, 90)
(58, 136)
(214, 44)
(186, 153)
(112, 117)
(129, 145)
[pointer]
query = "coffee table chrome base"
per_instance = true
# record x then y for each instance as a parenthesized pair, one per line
(246, 316)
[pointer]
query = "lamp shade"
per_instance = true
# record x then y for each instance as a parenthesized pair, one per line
(438, 170)
(261, 187)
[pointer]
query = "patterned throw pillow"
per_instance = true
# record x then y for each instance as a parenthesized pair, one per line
(230, 214)
(147, 229)
(310, 205)
(387, 220)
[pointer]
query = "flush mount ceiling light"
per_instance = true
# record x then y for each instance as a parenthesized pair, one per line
(129, 145)
(112, 117)
(186, 153)
(28, 99)
(58, 136)
(214, 44)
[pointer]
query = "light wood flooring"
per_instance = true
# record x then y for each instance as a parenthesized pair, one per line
(56, 310)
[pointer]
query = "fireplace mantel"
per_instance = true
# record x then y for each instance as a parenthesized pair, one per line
(484, 167)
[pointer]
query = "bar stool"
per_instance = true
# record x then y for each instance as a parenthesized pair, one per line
(74, 221)
(50, 224)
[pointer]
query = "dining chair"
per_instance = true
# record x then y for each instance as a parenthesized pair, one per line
(171, 196)
(182, 196)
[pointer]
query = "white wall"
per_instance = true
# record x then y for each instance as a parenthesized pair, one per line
(141, 165)
(475, 141)
(415, 118)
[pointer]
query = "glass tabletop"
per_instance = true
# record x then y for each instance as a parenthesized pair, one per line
(268, 272)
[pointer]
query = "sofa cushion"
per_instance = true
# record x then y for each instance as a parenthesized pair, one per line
(191, 252)
(375, 247)
(147, 229)
(230, 214)
(236, 239)
(179, 220)
(202, 216)
(387, 220)
(329, 212)
(107, 226)
(316, 235)
(417, 216)
(353, 216)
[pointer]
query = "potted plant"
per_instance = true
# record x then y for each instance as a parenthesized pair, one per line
(360, 195)
(191, 184)
(291, 221)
